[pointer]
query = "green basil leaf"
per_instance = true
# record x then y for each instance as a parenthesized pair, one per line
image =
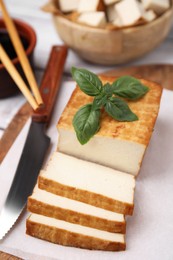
(129, 87)
(119, 110)
(86, 123)
(88, 82)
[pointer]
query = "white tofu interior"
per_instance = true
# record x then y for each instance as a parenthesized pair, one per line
(68, 6)
(111, 13)
(88, 6)
(159, 6)
(124, 155)
(93, 18)
(149, 15)
(128, 11)
(77, 206)
(78, 229)
(91, 177)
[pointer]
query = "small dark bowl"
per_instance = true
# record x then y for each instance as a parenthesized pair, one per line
(28, 37)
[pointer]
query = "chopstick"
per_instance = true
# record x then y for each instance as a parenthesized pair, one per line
(17, 78)
(21, 53)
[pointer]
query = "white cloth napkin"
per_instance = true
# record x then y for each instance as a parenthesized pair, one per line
(149, 230)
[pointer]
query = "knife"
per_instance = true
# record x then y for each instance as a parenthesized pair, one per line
(36, 145)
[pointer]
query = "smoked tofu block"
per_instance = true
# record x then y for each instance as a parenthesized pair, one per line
(68, 6)
(158, 6)
(97, 19)
(90, 6)
(69, 234)
(119, 145)
(89, 183)
(128, 11)
(54, 206)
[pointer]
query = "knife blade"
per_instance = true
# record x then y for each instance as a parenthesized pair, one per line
(36, 145)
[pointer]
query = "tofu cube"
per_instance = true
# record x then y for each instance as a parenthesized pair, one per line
(128, 11)
(111, 13)
(117, 22)
(90, 6)
(97, 19)
(68, 6)
(158, 6)
(149, 16)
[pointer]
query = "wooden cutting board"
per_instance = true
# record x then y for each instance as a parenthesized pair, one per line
(160, 73)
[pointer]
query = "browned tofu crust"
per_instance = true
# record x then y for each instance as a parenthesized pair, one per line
(138, 131)
(85, 196)
(45, 209)
(67, 238)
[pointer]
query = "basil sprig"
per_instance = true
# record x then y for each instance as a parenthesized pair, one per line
(86, 121)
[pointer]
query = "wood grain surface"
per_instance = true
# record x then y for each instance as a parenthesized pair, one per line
(160, 73)
(4, 256)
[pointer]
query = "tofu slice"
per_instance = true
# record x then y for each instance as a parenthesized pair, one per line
(68, 6)
(120, 145)
(68, 234)
(90, 6)
(97, 19)
(158, 6)
(128, 11)
(51, 205)
(89, 183)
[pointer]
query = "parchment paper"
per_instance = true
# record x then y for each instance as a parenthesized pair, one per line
(149, 230)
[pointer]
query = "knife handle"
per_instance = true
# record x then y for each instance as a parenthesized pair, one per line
(51, 83)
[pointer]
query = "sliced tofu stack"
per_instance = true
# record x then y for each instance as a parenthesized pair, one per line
(90, 6)
(69, 234)
(54, 206)
(119, 145)
(158, 6)
(89, 183)
(67, 6)
(97, 19)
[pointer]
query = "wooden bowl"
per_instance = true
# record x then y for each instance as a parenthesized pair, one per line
(28, 36)
(110, 47)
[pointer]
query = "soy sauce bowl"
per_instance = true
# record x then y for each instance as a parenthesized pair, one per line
(28, 38)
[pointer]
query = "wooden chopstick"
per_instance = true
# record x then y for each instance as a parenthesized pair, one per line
(21, 53)
(17, 78)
